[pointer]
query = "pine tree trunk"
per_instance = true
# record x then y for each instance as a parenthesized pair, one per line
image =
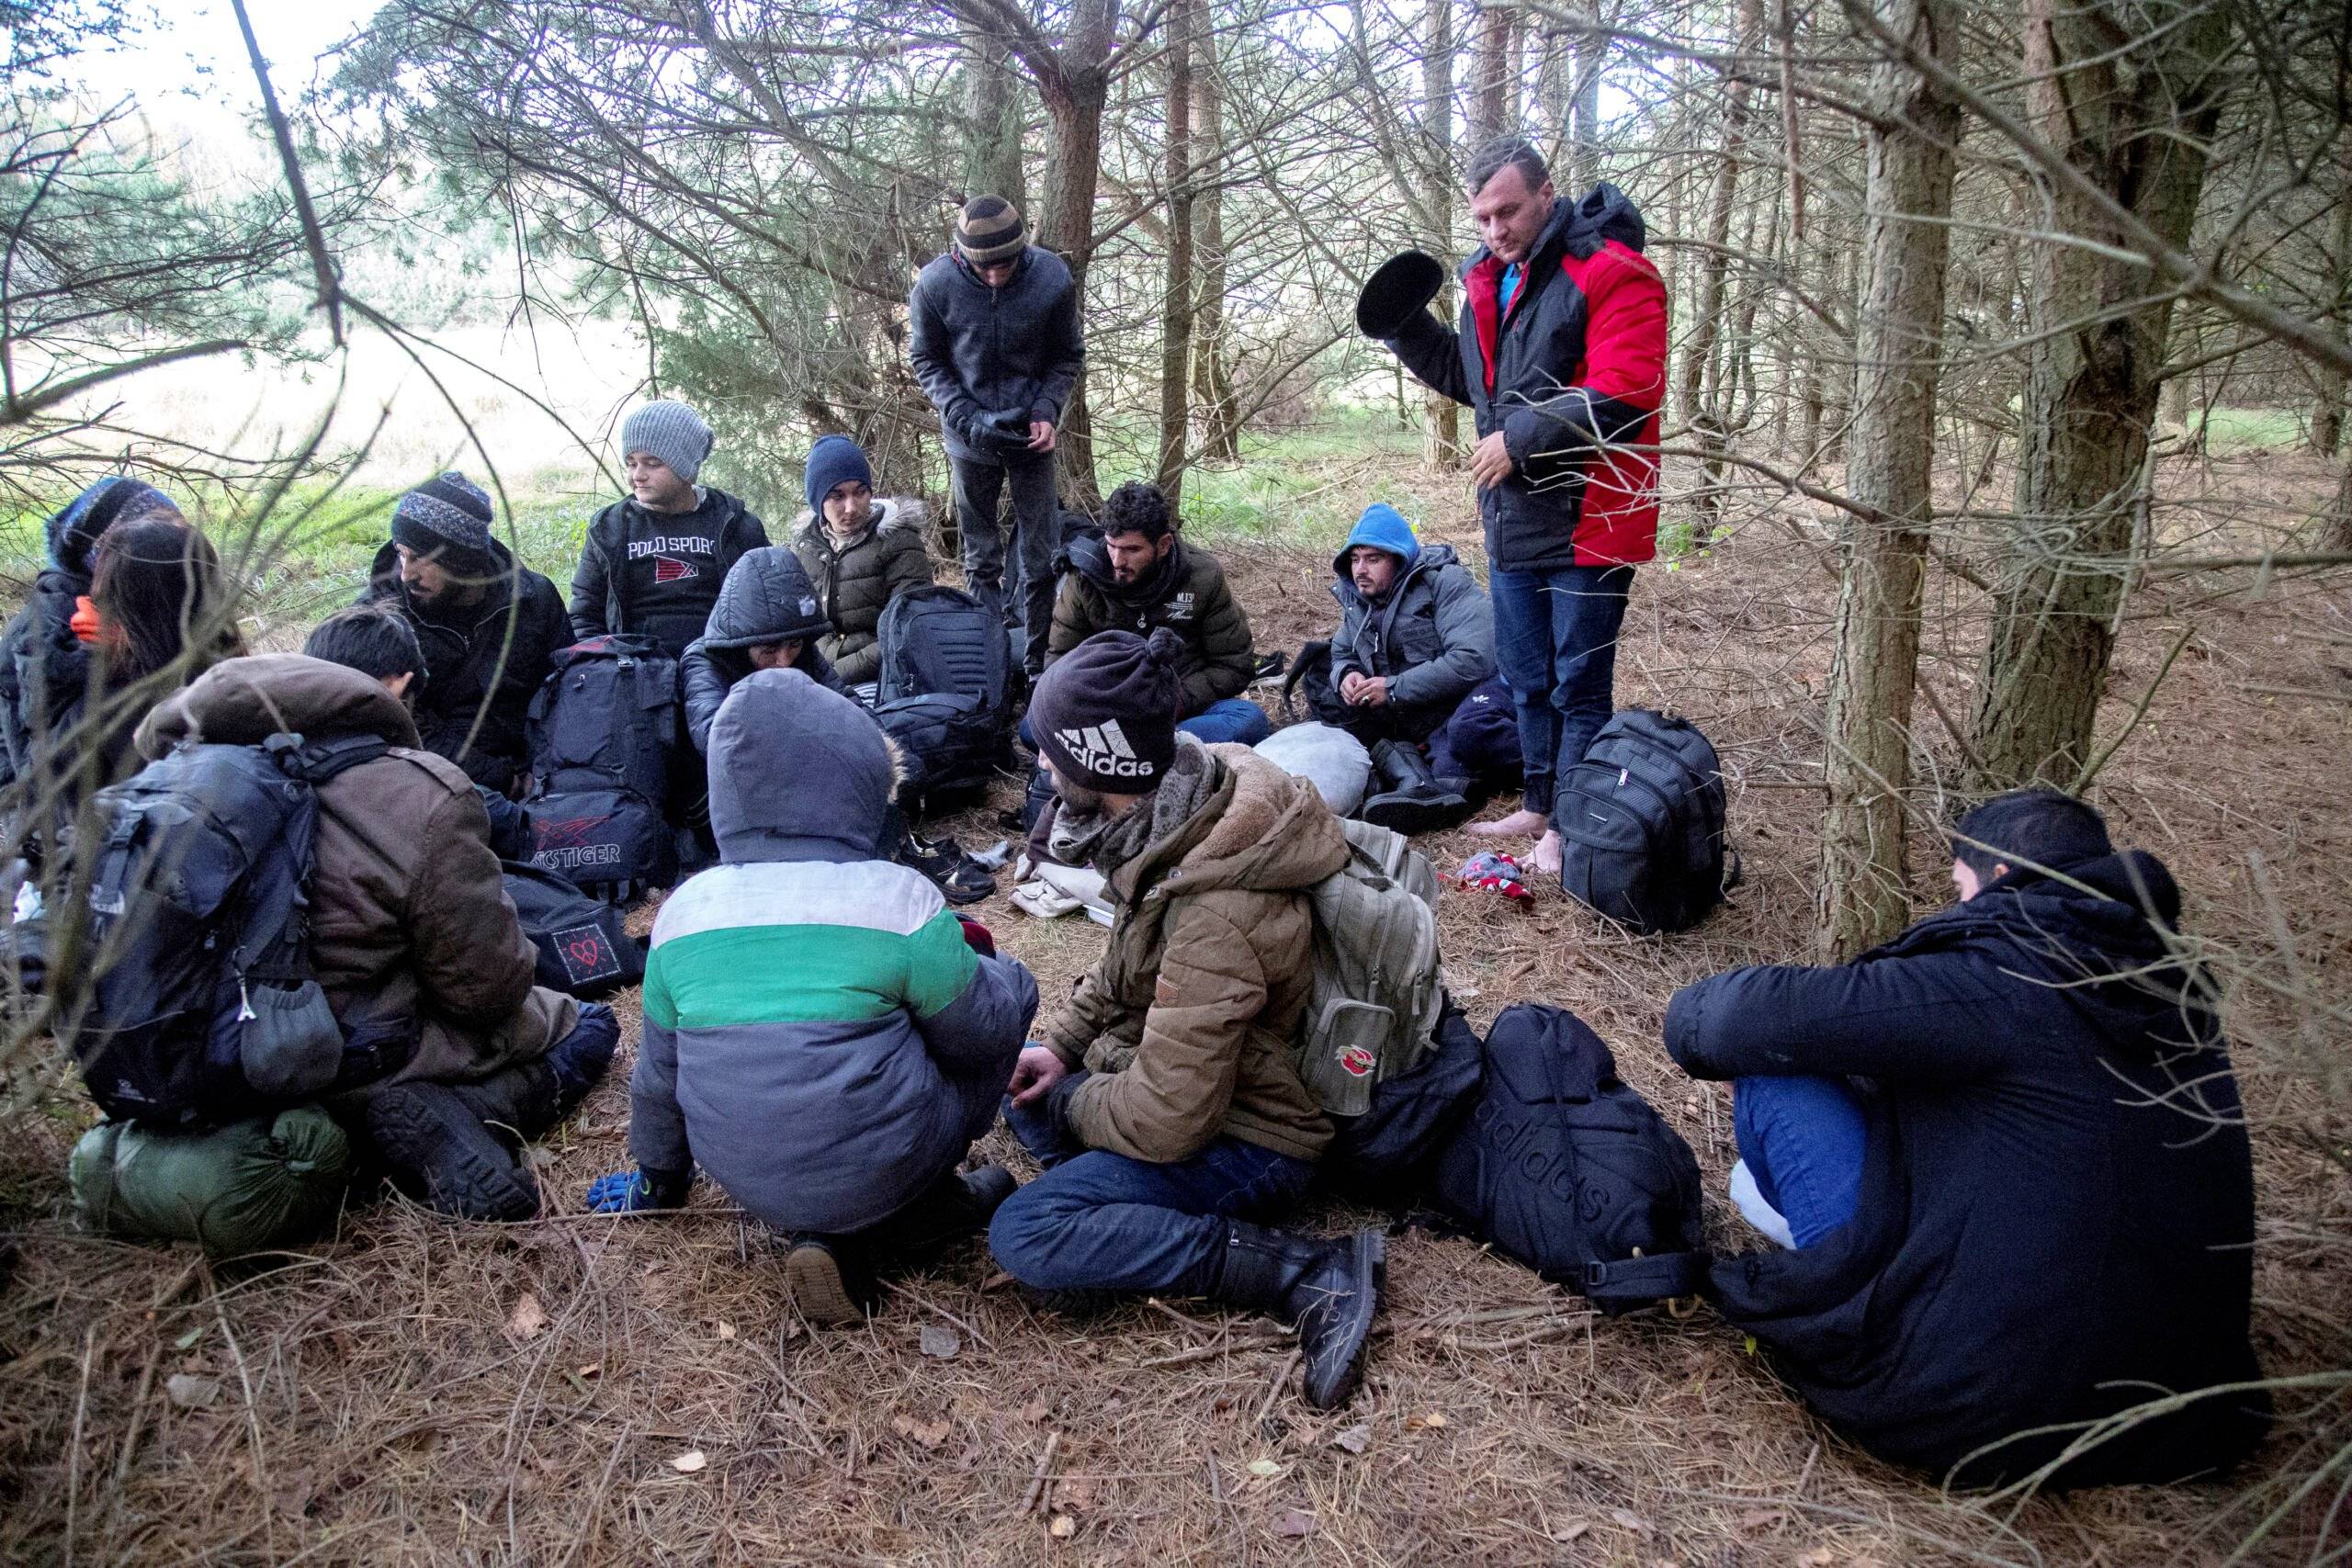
(1441, 443)
(1211, 376)
(1864, 896)
(1704, 415)
(2134, 119)
(1176, 296)
(993, 163)
(1494, 93)
(1074, 94)
(2327, 403)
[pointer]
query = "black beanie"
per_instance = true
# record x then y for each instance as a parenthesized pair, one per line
(2041, 826)
(1105, 713)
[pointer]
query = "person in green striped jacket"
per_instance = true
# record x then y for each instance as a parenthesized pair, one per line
(820, 1036)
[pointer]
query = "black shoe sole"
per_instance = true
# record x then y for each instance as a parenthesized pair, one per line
(1370, 1257)
(441, 1153)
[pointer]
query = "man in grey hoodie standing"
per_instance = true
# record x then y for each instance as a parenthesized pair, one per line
(995, 342)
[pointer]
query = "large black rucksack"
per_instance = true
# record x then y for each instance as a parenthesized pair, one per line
(1563, 1167)
(1641, 823)
(202, 1007)
(944, 691)
(602, 731)
(583, 942)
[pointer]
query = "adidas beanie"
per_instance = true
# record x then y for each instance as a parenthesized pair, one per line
(989, 230)
(1104, 714)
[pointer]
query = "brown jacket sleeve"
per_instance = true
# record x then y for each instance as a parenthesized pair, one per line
(1227, 665)
(473, 963)
(1073, 622)
(1172, 1098)
(1080, 1022)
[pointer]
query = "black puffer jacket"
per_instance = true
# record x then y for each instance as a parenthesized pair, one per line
(2057, 1213)
(766, 598)
(979, 351)
(857, 580)
(656, 574)
(463, 672)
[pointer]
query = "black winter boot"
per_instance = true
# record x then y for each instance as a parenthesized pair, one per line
(439, 1151)
(1328, 1286)
(1412, 800)
(831, 1282)
(958, 1205)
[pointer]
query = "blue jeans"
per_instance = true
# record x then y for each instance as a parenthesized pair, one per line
(1096, 1221)
(1555, 643)
(1237, 719)
(1803, 1140)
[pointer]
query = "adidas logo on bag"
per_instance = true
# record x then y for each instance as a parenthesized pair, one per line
(1103, 749)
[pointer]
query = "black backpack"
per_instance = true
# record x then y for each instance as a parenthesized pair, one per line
(944, 691)
(202, 1007)
(1563, 1167)
(583, 942)
(1641, 823)
(602, 730)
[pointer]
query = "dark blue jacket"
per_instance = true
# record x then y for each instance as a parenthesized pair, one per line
(2057, 1213)
(979, 351)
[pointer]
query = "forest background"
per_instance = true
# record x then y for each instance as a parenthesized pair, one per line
(2004, 441)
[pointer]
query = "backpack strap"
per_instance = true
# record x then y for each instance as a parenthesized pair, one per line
(1642, 1281)
(316, 762)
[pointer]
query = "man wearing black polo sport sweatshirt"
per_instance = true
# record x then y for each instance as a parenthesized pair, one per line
(653, 562)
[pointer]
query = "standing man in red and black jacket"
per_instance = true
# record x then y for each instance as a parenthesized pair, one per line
(1561, 352)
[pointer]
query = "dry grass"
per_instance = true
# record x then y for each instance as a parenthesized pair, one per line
(381, 1403)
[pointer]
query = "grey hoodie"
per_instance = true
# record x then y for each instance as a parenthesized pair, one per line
(818, 1035)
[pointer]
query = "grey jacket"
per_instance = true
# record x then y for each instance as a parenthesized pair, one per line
(1433, 635)
(979, 351)
(818, 1036)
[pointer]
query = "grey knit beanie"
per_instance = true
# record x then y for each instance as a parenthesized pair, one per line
(670, 431)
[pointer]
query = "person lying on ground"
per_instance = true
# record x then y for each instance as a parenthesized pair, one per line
(2007, 1152)
(1415, 638)
(1165, 1103)
(819, 1036)
(412, 935)
(488, 626)
(653, 562)
(160, 612)
(1140, 576)
(861, 552)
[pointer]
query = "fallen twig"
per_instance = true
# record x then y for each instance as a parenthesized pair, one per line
(1037, 1482)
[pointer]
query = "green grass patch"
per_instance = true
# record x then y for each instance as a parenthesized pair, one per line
(2249, 430)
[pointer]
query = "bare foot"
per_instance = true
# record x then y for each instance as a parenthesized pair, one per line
(1546, 857)
(1517, 825)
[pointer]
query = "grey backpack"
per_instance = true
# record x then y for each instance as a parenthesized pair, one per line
(1376, 988)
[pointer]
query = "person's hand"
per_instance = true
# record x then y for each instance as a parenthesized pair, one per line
(1041, 435)
(1490, 462)
(1035, 1074)
(1350, 684)
(1372, 691)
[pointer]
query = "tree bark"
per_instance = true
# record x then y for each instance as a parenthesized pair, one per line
(993, 163)
(1176, 296)
(1073, 82)
(2327, 402)
(1495, 97)
(1705, 414)
(1441, 442)
(2134, 119)
(1864, 896)
(1212, 375)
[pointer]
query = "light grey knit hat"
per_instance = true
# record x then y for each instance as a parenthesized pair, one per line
(670, 431)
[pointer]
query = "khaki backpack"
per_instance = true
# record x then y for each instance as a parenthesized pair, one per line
(1377, 986)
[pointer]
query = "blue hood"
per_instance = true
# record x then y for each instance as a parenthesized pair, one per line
(1383, 528)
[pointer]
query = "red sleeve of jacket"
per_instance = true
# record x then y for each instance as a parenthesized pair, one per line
(1624, 353)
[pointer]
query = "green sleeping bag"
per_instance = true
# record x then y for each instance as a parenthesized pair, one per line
(237, 1188)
